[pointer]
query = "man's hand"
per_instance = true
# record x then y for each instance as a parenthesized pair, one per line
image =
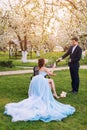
(58, 60)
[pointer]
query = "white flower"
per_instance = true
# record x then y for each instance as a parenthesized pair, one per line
(63, 94)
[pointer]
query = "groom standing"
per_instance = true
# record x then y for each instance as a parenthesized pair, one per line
(74, 54)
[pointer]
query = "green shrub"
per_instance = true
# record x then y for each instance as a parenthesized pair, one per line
(6, 64)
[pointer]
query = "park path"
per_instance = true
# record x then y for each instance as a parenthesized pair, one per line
(31, 70)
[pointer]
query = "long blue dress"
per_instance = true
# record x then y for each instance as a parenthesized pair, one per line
(40, 104)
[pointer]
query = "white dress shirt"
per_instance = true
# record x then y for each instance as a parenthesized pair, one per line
(73, 49)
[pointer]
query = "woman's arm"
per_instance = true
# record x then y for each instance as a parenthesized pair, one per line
(49, 71)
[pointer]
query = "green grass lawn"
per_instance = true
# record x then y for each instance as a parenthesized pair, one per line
(14, 88)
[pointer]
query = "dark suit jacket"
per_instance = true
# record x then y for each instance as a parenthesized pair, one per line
(75, 56)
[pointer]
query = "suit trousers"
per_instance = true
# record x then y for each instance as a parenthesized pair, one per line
(74, 72)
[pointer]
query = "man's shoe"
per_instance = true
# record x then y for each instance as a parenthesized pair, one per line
(74, 92)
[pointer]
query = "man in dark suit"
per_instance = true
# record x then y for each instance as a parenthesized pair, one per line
(74, 54)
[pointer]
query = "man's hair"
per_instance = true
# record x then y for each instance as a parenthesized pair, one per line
(75, 38)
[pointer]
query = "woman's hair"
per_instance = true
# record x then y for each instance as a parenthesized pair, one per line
(41, 62)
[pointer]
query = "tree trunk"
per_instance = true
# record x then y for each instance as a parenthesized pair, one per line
(24, 50)
(25, 43)
(24, 56)
(20, 41)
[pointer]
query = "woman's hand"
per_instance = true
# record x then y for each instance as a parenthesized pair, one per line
(54, 74)
(54, 65)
